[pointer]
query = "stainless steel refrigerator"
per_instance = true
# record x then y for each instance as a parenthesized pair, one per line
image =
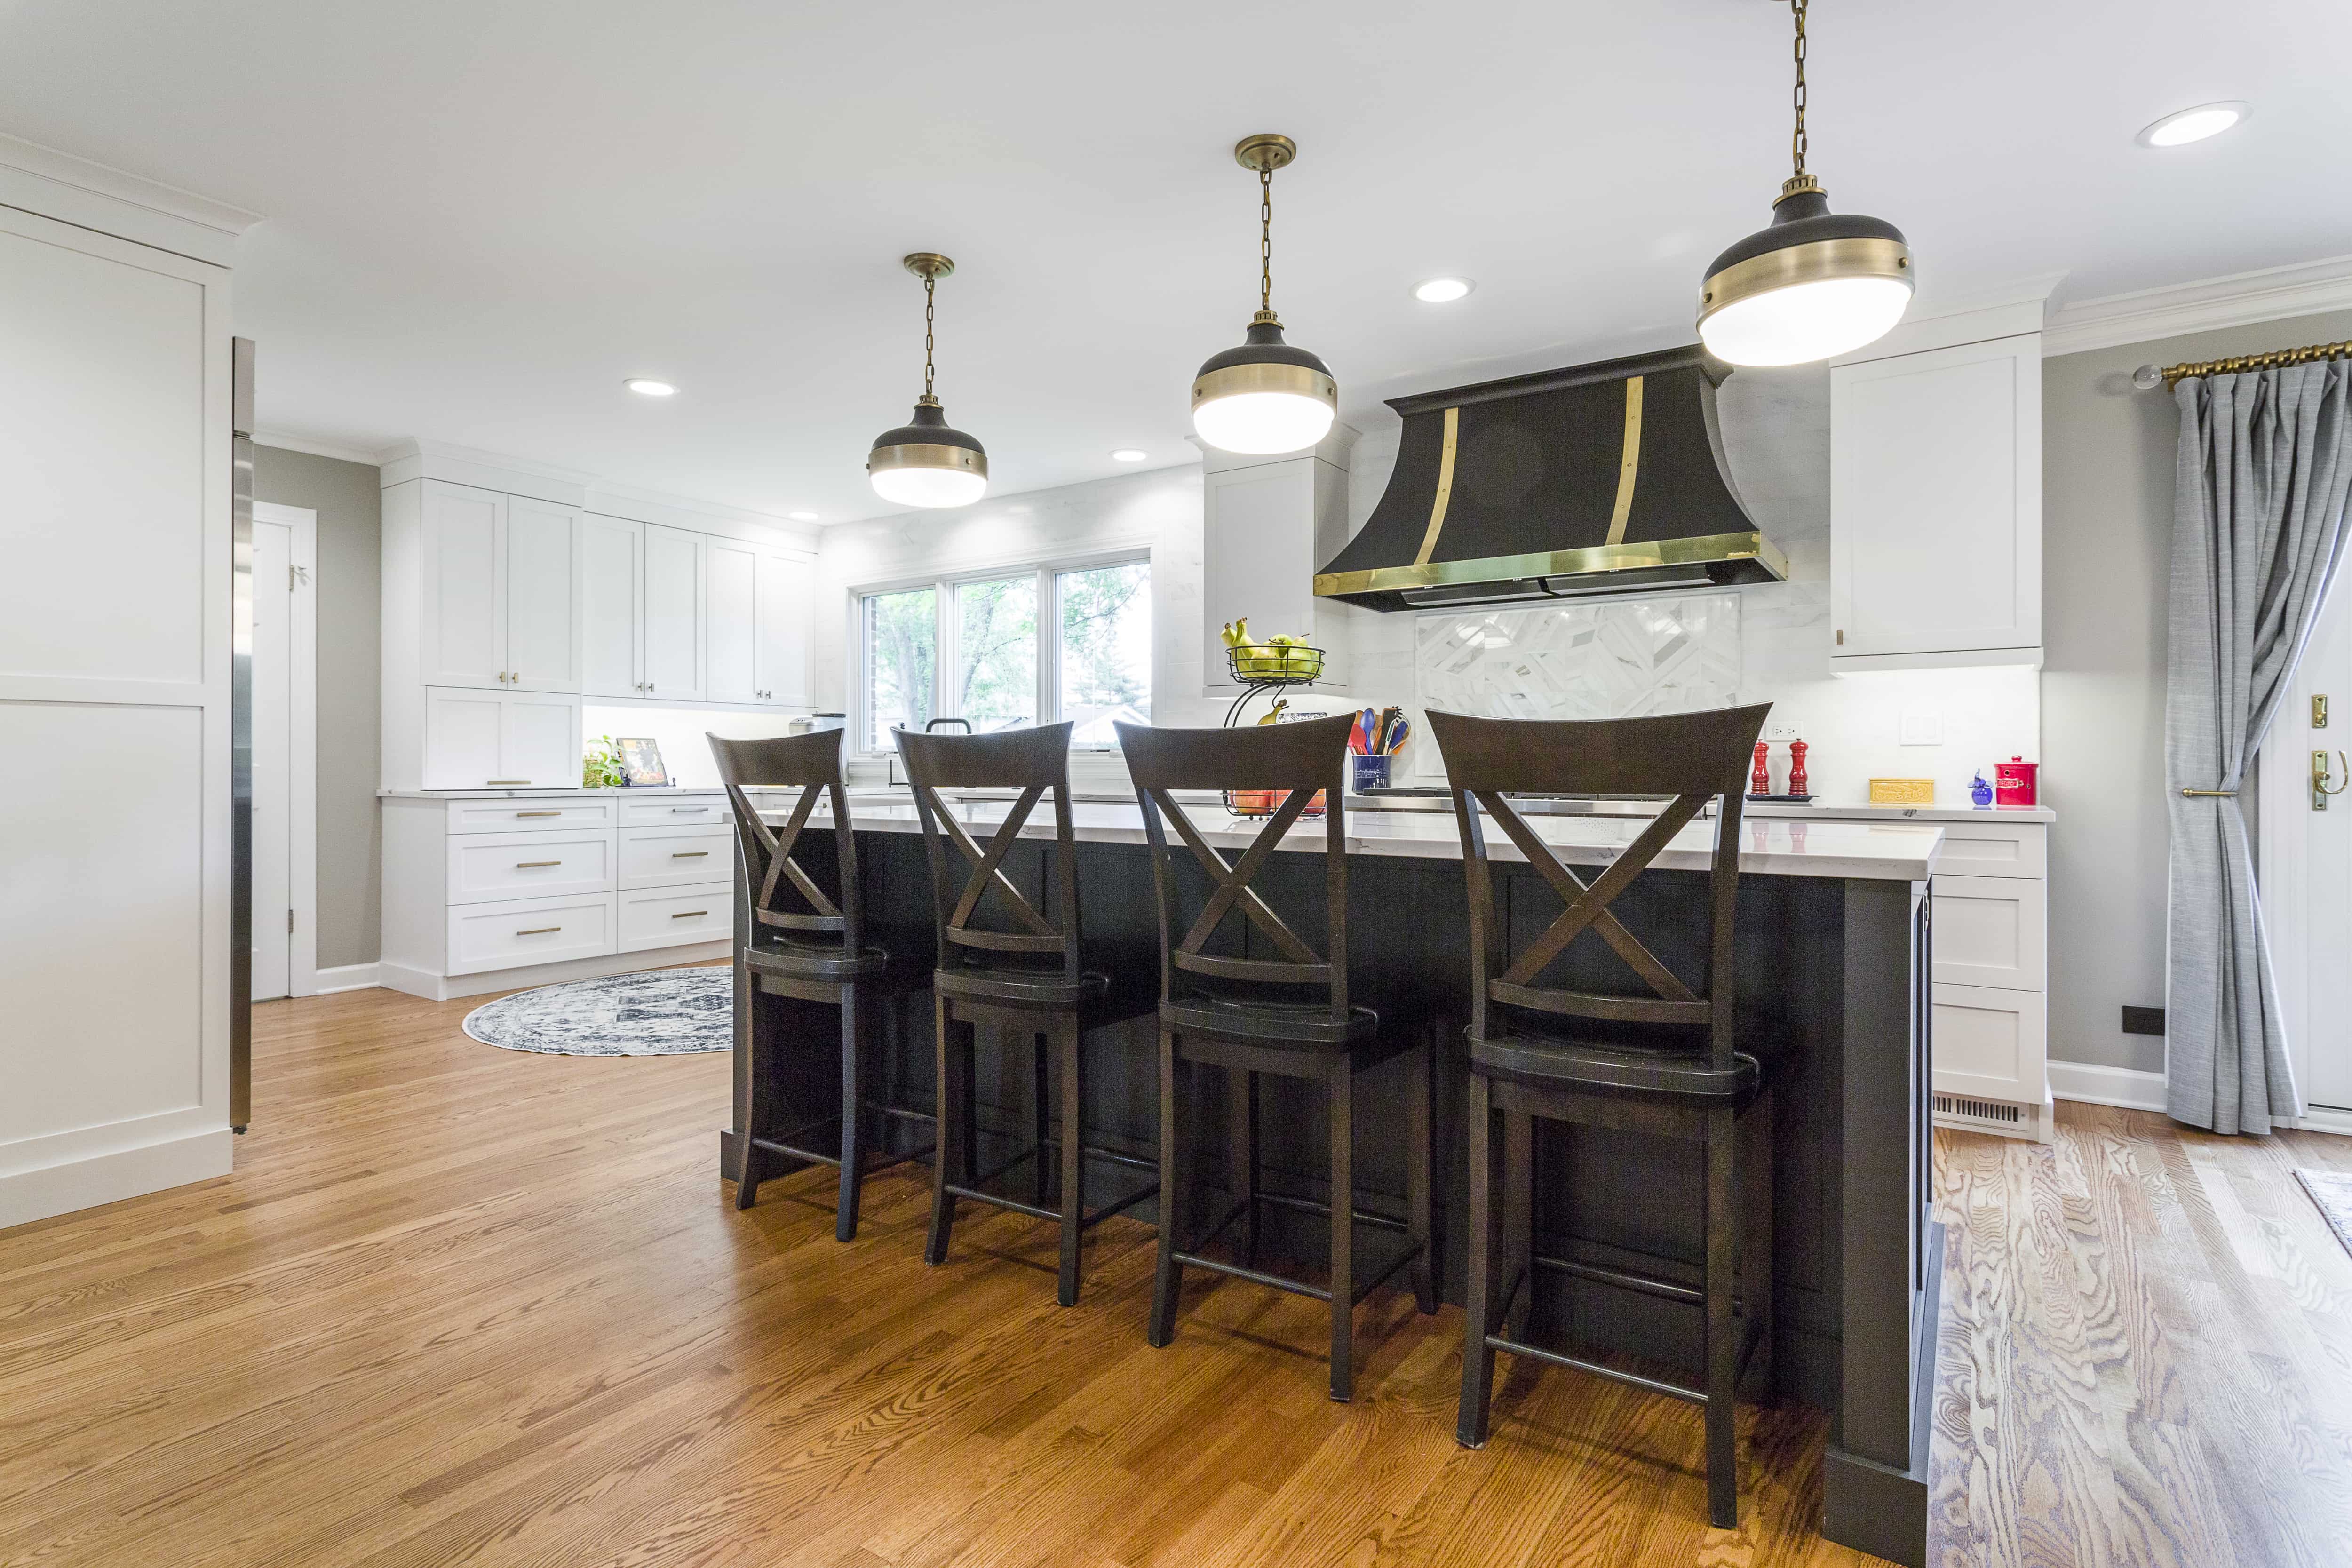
(240, 737)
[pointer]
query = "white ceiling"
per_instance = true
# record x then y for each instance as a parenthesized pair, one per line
(482, 216)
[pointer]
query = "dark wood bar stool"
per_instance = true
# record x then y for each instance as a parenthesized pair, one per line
(1288, 1015)
(1662, 1064)
(808, 946)
(1029, 982)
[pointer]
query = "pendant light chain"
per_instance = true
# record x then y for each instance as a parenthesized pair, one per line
(1265, 240)
(1797, 141)
(928, 285)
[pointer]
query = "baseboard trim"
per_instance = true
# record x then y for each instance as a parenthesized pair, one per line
(2092, 1084)
(118, 1173)
(449, 988)
(347, 977)
(2325, 1119)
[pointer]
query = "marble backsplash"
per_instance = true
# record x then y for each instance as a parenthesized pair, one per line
(1611, 658)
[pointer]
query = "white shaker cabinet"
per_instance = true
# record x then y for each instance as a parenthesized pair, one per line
(500, 600)
(756, 642)
(1935, 507)
(612, 575)
(780, 652)
(1268, 525)
(541, 564)
(641, 608)
(479, 740)
(670, 628)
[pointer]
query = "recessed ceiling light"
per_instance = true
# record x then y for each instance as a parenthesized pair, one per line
(2177, 130)
(647, 386)
(802, 516)
(1128, 454)
(1442, 291)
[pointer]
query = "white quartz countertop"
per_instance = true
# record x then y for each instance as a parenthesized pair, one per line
(517, 794)
(1892, 851)
(1823, 810)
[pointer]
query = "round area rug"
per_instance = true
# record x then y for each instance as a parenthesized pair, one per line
(654, 1013)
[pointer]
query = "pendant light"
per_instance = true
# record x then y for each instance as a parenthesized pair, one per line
(927, 461)
(1811, 285)
(1263, 396)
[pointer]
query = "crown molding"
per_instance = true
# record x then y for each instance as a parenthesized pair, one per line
(112, 201)
(418, 459)
(2271, 294)
(288, 443)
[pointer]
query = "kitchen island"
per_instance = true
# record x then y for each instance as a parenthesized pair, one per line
(1832, 929)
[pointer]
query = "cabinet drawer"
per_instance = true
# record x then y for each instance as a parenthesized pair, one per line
(524, 815)
(675, 856)
(671, 917)
(1991, 931)
(529, 931)
(671, 811)
(1994, 849)
(1990, 1043)
(486, 866)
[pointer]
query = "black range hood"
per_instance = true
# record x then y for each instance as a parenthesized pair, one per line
(1599, 478)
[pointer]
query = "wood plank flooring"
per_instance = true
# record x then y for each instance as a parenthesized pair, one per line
(463, 1306)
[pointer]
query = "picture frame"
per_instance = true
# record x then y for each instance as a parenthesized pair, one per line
(641, 762)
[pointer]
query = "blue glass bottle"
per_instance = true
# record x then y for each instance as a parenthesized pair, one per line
(1980, 792)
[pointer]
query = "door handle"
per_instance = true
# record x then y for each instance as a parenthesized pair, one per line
(2320, 775)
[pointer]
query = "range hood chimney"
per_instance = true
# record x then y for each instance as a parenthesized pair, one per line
(1599, 478)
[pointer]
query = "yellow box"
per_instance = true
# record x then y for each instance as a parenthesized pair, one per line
(1903, 792)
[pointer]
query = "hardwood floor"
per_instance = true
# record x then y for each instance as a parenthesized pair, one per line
(462, 1306)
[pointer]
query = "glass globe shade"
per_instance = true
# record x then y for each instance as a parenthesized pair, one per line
(929, 486)
(1263, 422)
(1806, 321)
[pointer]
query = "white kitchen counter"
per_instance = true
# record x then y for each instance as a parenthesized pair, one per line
(1892, 851)
(1866, 812)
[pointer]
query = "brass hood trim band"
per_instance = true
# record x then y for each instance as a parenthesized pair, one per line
(1598, 559)
(1444, 488)
(1629, 465)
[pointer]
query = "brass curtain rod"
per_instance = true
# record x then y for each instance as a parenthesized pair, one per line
(2147, 376)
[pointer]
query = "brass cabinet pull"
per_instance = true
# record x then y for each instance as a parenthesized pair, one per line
(539, 814)
(527, 865)
(538, 931)
(689, 808)
(497, 782)
(688, 914)
(687, 854)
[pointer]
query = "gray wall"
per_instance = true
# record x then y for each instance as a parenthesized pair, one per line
(2106, 470)
(350, 587)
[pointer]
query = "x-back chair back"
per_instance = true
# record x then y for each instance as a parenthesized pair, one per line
(1691, 757)
(1033, 762)
(1302, 758)
(787, 904)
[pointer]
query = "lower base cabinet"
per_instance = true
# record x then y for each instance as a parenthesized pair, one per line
(486, 893)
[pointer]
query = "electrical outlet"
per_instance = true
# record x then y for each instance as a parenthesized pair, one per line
(1922, 727)
(2143, 1021)
(1779, 731)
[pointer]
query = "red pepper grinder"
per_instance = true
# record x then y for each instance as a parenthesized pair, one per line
(1760, 781)
(1797, 749)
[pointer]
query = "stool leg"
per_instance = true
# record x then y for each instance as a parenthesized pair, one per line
(1241, 1154)
(853, 1171)
(1041, 1169)
(1478, 1322)
(1067, 1044)
(1343, 1231)
(1175, 1172)
(1722, 1339)
(1756, 1172)
(747, 1180)
(947, 1148)
(1519, 1220)
(1420, 1233)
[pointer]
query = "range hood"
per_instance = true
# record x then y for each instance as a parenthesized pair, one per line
(1599, 478)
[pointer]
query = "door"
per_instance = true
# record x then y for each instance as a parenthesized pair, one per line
(465, 586)
(673, 611)
(542, 553)
(781, 648)
(731, 630)
(1935, 500)
(539, 741)
(2306, 864)
(609, 584)
(273, 758)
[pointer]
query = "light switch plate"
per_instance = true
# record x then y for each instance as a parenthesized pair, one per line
(1923, 728)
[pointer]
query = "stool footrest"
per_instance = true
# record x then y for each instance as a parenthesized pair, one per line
(1296, 1287)
(1577, 1363)
(792, 1152)
(1039, 1211)
(1309, 1205)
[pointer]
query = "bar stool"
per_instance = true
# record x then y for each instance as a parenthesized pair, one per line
(1288, 1015)
(1029, 982)
(1662, 1064)
(808, 946)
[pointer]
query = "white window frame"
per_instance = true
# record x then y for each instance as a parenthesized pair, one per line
(943, 585)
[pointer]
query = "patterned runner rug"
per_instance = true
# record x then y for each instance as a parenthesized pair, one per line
(2332, 1191)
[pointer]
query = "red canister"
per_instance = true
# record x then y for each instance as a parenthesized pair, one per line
(2017, 782)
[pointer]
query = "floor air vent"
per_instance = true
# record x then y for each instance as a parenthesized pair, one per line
(1985, 1110)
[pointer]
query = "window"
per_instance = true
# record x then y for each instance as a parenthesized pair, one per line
(1066, 640)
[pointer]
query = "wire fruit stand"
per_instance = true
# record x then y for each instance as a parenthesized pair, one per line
(1269, 670)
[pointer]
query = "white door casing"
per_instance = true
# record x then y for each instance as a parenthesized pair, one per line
(2306, 878)
(295, 529)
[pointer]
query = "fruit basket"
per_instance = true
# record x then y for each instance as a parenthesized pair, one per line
(1275, 663)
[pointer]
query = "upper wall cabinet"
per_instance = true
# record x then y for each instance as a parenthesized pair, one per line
(501, 604)
(1935, 507)
(1268, 525)
(641, 606)
(757, 615)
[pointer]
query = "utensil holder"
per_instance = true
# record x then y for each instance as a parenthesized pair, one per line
(1368, 773)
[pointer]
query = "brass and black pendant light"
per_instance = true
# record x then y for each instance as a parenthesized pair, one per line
(1813, 284)
(927, 461)
(1266, 396)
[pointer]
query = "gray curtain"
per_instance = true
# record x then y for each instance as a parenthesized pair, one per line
(2266, 461)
